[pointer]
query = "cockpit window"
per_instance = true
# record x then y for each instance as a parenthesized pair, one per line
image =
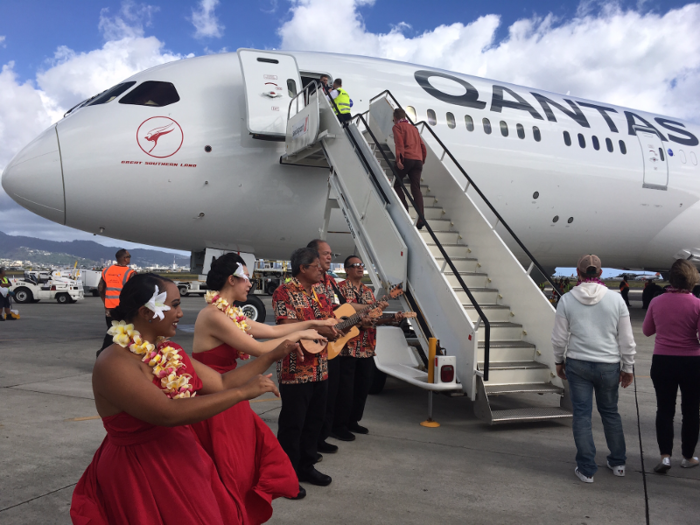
(111, 93)
(152, 93)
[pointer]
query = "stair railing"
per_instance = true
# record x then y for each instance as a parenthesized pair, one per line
(533, 262)
(482, 316)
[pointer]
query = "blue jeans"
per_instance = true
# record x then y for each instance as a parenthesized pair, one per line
(585, 377)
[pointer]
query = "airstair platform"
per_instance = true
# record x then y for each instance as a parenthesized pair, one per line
(466, 286)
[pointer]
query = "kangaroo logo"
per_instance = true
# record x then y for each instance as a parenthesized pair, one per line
(159, 137)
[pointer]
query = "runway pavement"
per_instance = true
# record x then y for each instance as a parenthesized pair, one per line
(401, 473)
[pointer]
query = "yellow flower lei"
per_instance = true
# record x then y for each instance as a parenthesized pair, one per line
(232, 312)
(164, 360)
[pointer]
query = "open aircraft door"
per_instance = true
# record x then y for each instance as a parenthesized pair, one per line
(654, 158)
(271, 80)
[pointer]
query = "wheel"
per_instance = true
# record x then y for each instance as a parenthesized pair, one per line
(378, 380)
(95, 293)
(184, 291)
(271, 286)
(253, 309)
(62, 298)
(23, 295)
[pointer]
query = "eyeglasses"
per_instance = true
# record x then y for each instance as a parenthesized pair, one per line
(127, 257)
(317, 266)
(356, 265)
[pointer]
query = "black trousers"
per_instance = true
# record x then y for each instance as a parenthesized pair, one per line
(108, 340)
(625, 295)
(414, 169)
(668, 372)
(356, 375)
(344, 117)
(300, 422)
(334, 372)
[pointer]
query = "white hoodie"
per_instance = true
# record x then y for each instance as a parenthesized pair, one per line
(593, 324)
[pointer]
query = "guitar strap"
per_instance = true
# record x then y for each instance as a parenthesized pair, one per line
(336, 291)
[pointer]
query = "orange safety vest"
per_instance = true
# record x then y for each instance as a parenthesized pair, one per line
(115, 278)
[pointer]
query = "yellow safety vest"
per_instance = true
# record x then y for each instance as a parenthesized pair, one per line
(115, 278)
(342, 101)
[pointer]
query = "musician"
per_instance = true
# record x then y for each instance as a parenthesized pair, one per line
(303, 385)
(356, 366)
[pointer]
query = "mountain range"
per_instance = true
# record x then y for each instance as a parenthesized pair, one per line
(87, 253)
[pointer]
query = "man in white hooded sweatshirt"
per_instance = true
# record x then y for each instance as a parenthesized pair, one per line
(593, 327)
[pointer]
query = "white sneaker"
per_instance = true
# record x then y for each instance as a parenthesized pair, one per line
(618, 470)
(689, 463)
(663, 466)
(583, 478)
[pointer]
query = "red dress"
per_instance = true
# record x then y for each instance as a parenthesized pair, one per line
(248, 456)
(146, 474)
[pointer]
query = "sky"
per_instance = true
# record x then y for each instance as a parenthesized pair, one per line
(643, 54)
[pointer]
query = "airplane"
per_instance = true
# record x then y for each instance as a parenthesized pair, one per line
(186, 155)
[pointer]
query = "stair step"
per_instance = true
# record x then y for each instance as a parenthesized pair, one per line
(515, 372)
(492, 312)
(463, 264)
(471, 279)
(429, 212)
(543, 388)
(481, 295)
(429, 200)
(443, 237)
(512, 351)
(453, 250)
(528, 414)
(515, 365)
(502, 331)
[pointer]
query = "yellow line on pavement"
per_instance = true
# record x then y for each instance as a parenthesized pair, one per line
(83, 418)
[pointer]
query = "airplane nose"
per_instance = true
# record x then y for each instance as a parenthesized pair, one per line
(34, 178)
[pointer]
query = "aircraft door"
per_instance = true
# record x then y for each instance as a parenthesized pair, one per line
(271, 81)
(654, 158)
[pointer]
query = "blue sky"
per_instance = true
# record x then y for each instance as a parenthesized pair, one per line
(638, 53)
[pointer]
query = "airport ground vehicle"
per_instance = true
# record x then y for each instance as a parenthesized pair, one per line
(90, 279)
(34, 287)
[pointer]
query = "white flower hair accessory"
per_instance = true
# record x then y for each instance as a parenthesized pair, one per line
(156, 304)
(240, 273)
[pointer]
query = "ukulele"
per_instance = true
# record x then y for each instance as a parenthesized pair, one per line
(348, 318)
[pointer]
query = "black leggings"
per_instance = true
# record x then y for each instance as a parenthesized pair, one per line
(668, 372)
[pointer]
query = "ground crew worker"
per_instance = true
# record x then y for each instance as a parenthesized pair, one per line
(114, 278)
(342, 101)
(5, 298)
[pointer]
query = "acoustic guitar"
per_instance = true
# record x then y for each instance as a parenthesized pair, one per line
(348, 318)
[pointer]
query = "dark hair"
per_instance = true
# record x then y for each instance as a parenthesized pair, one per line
(136, 292)
(345, 264)
(683, 275)
(222, 268)
(120, 253)
(303, 257)
(314, 244)
(399, 114)
(338, 81)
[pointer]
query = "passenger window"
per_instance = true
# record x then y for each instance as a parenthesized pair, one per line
(451, 121)
(111, 93)
(504, 128)
(152, 93)
(608, 144)
(469, 122)
(661, 152)
(596, 143)
(487, 126)
(536, 133)
(411, 113)
(623, 148)
(581, 140)
(432, 119)
(291, 88)
(567, 138)
(521, 130)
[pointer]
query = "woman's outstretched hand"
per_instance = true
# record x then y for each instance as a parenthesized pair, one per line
(258, 385)
(284, 349)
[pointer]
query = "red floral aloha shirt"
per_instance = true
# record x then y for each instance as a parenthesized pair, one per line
(362, 345)
(290, 301)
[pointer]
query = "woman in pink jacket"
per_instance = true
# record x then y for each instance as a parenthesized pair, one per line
(675, 319)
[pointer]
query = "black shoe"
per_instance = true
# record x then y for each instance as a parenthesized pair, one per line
(301, 495)
(314, 477)
(327, 448)
(319, 458)
(358, 429)
(2, 317)
(420, 224)
(10, 318)
(342, 434)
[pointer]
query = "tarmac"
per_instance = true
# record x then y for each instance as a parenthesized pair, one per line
(401, 473)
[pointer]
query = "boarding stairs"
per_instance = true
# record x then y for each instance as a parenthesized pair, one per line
(467, 286)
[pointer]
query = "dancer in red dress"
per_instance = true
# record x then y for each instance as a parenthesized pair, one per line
(247, 454)
(150, 469)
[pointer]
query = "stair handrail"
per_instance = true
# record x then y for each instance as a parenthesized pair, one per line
(481, 194)
(448, 260)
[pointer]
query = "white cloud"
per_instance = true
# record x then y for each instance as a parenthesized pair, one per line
(129, 23)
(638, 59)
(205, 20)
(2, 41)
